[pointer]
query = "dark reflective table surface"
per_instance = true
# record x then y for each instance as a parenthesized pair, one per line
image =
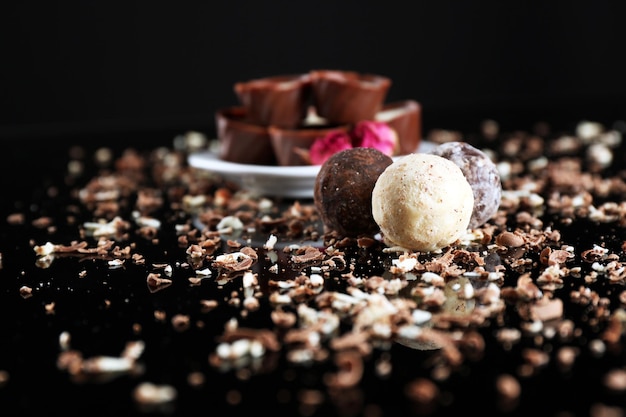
(59, 311)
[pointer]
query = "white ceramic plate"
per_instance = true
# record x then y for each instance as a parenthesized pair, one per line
(267, 180)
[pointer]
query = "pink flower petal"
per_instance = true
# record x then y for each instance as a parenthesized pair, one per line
(377, 135)
(326, 146)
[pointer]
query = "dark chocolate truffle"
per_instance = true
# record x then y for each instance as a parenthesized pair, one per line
(481, 173)
(343, 190)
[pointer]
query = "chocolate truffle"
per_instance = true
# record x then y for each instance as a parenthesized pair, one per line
(343, 190)
(481, 173)
(422, 202)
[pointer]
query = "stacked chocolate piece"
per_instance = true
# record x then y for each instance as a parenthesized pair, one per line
(279, 117)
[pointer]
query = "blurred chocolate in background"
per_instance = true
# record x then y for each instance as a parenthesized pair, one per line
(81, 67)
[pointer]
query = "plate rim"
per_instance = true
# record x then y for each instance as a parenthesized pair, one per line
(210, 161)
(297, 180)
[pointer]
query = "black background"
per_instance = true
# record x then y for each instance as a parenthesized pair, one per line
(84, 67)
(104, 73)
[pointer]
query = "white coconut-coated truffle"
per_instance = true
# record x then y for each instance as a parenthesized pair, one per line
(422, 202)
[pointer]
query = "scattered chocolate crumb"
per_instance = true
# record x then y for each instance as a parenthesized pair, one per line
(156, 283)
(180, 322)
(50, 307)
(16, 219)
(196, 379)
(540, 283)
(153, 397)
(566, 356)
(615, 380)
(508, 387)
(26, 292)
(509, 391)
(307, 254)
(208, 305)
(4, 378)
(422, 391)
(349, 370)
